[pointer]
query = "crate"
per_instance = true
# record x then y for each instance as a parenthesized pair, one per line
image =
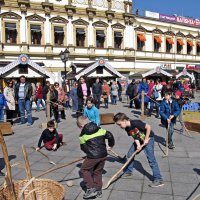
(106, 118)
(6, 128)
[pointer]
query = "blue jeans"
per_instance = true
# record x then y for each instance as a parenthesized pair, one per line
(149, 152)
(25, 105)
(39, 101)
(114, 99)
(170, 132)
(1, 114)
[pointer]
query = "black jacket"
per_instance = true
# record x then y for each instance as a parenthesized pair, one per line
(92, 141)
(27, 91)
(132, 90)
(80, 91)
(97, 88)
(45, 91)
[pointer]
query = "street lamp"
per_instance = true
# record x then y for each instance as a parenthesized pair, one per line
(64, 56)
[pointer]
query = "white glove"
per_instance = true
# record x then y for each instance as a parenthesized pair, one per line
(54, 146)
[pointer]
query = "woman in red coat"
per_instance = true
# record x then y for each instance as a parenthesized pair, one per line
(39, 97)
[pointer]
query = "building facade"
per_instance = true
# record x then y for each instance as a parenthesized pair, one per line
(91, 29)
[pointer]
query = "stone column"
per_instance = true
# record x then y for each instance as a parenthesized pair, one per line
(23, 28)
(90, 34)
(0, 32)
(109, 35)
(47, 31)
(70, 37)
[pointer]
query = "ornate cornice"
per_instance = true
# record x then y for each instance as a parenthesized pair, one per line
(118, 26)
(70, 9)
(91, 12)
(100, 24)
(80, 22)
(141, 29)
(110, 15)
(35, 17)
(190, 36)
(47, 7)
(179, 34)
(170, 33)
(157, 31)
(10, 15)
(129, 18)
(58, 19)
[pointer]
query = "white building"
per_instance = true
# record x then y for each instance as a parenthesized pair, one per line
(91, 29)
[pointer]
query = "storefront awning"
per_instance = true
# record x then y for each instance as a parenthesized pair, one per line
(170, 41)
(180, 41)
(158, 39)
(185, 74)
(141, 37)
(198, 44)
(190, 43)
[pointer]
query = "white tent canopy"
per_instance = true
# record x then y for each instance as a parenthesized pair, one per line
(157, 70)
(185, 74)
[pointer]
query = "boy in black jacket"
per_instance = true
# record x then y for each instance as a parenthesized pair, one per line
(50, 137)
(92, 142)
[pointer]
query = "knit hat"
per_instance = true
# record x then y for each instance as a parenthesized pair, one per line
(178, 93)
(164, 83)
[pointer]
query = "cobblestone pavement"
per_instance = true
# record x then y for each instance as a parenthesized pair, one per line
(181, 170)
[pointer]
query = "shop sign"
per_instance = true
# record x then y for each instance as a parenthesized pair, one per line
(166, 66)
(152, 14)
(167, 18)
(23, 59)
(101, 61)
(158, 69)
(193, 67)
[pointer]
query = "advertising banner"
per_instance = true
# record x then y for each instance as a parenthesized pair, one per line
(184, 20)
(152, 14)
(167, 17)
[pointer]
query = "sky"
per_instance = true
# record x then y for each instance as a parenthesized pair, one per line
(180, 7)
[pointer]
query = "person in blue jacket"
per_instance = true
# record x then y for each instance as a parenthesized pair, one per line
(143, 86)
(2, 106)
(91, 112)
(169, 111)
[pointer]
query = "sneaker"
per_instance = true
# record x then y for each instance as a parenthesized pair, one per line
(171, 146)
(157, 183)
(99, 194)
(90, 193)
(29, 124)
(127, 175)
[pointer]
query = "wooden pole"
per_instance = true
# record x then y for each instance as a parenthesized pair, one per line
(8, 167)
(28, 170)
(60, 166)
(142, 106)
(48, 105)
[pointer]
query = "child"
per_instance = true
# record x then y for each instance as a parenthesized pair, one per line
(92, 142)
(180, 102)
(2, 106)
(142, 134)
(50, 137)
(91, 112)
(105, 98)
(169, 111)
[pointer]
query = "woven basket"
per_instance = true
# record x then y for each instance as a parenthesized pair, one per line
(45, 189)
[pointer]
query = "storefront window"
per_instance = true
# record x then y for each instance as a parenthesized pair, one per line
(58, 35)
(189, 47)
(10, 33)
(36, 34)
(168, 46)
(80, 37)
(180, 44)
(100, 39)
(118, 40)
(140, 42)
(157, 43)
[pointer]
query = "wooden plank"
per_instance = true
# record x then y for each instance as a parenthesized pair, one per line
(193, 125)
(106, 118)
(6, 128)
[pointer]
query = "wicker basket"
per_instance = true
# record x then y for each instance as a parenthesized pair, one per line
(45, 189)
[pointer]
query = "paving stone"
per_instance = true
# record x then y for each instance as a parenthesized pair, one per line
(184, 177)
(148, 196)
(125, 195)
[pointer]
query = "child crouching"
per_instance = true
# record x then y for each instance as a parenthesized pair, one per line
(50, 137)
(92, 142)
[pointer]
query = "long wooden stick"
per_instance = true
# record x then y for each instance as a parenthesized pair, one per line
(8, 167)
(121, 169)
(28, 171)
(118, 156)
(60, 166)
(50, 161)
(167, 140)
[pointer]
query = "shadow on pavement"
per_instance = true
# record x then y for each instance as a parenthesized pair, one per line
(2, 162)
